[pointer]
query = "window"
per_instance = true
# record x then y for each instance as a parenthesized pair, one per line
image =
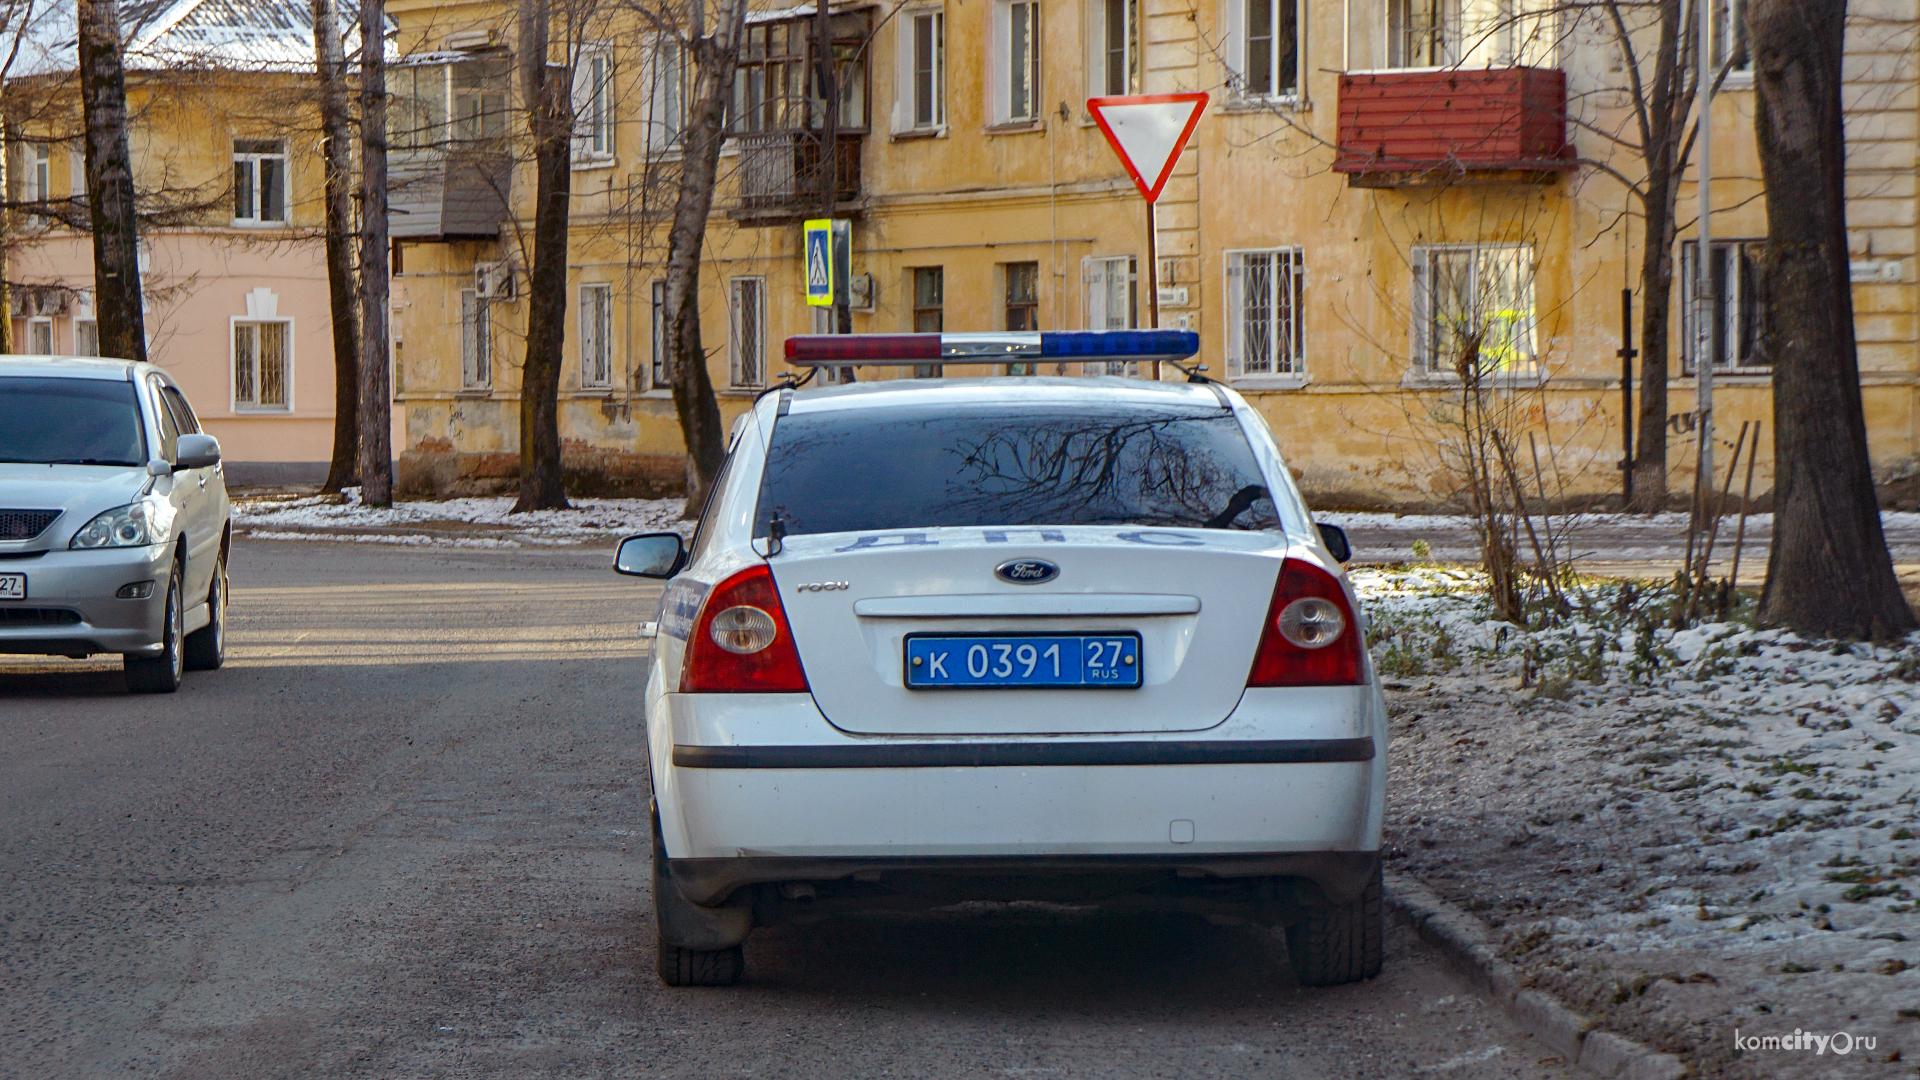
(259, 365)
(1161, 466)
(1016, 53)
(929, 310)
(77, 174)
(86, 337)
(592, 106)
(1113, 303)
(660, 371)
(1113, 46)
(770, 85)
(1471, 33)
(1473, 310)
(666, 92)
(1738, 327)
(259, 182)
(52, 420)
(417, 106)
(1730, 36)
(596, 335)
(476, 342)
(38, 185)
(747, 303)
(924, 59)
(1268, 53)
(479, 96)
(1264, 312)
(1023, 304)
(183, 417)
(40, 337)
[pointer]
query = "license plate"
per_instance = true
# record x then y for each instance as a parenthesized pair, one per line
(988, 661)
(13, 586)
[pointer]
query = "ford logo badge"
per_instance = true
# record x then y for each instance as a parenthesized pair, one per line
(1026, 571)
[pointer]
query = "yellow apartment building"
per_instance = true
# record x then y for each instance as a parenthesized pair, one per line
(1370, 176)
(226, 157)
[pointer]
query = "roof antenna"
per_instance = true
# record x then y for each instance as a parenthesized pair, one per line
(776, 534)
(1194, 374)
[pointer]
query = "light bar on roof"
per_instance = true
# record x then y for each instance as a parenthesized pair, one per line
(852, 350)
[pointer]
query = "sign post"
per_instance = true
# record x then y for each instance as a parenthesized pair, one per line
(1148, 131)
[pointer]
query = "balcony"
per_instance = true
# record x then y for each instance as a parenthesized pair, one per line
(1452, 125)
(780, 175)
(448, 194)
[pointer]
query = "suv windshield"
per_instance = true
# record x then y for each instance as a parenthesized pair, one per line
(70, 422)
(872, 470)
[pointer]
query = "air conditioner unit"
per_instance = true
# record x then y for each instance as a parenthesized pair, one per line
(493, 280)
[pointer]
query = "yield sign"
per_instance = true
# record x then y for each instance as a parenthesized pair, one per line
(1148, 131)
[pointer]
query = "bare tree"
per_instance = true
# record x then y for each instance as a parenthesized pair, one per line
(549, 104)
(336, 123)
(110, 195)
(714, 56)
(1828, 573)
(376, 396)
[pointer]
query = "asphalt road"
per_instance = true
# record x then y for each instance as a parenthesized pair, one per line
(403, 834)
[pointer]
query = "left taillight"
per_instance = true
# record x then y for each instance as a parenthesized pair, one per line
(741, 643)
(1310, 637)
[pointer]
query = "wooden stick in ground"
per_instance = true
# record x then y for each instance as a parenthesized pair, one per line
(1719, 509)
(1746, 501)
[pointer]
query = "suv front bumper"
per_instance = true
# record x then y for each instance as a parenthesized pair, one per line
(81, 585)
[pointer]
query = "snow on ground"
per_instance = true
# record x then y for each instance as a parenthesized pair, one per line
(1682, 831)
(472, 522)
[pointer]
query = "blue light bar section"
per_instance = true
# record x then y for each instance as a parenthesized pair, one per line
(1120, 344)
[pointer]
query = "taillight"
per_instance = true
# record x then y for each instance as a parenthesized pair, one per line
(1310, 637)
(741, 643)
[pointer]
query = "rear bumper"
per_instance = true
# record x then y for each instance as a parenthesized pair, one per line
(1341, 875)
(83, 584)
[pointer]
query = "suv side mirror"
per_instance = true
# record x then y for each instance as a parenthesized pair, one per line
(651, 555)
(196, 452)
(1335, 538)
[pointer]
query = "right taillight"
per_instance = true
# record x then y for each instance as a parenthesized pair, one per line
(1310, 637)
(741, 642)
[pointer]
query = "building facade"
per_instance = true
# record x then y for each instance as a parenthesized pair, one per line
(1377, 186)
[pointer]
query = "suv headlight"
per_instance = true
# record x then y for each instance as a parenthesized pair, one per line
(137, 524)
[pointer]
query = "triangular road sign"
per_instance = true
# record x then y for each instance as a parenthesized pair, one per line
(1148, 131)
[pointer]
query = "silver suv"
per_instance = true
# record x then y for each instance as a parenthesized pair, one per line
(113, 519)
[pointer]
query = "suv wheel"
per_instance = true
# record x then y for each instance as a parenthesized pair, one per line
(1340, 943)
(680, 966)
(207, 646)
(161, 674)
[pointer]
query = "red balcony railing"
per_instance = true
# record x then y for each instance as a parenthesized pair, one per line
(1412, 127)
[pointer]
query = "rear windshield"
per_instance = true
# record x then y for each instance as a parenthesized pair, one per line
(70, 422)
(874, 470)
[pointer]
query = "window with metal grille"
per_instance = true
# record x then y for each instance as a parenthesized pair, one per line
(1473, 309)
(476, 342)
(748, 309)
(260, 365)
(259, 182)
(1738, 338)
(1264, 313)
(596, 335)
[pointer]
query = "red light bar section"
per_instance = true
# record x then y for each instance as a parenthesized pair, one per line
(812, 350)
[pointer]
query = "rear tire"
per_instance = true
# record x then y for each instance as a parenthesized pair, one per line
(161, 674)
(207, 646)
(679, 966)
(1341, 943)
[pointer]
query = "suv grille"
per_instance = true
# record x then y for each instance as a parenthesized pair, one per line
(37, 616)
(25, 524)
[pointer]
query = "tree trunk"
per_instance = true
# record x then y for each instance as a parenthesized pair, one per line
(1828, 573)
(117, 301)
(337, 135)
(693, 398)
(1667, 106)
(549, 94)
(376, 400)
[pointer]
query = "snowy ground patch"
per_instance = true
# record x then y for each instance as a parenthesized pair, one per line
(1685, 831)
(473, 522)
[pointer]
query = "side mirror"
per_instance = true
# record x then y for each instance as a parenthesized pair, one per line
(651, 555)
(196, 452)
(158, 467)
(1335, 538)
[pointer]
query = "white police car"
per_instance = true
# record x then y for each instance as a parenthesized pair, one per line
(1065, 639)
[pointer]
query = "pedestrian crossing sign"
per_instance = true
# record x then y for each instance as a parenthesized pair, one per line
(819, 257)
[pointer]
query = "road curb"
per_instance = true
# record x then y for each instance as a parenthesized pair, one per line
(1468, 945)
